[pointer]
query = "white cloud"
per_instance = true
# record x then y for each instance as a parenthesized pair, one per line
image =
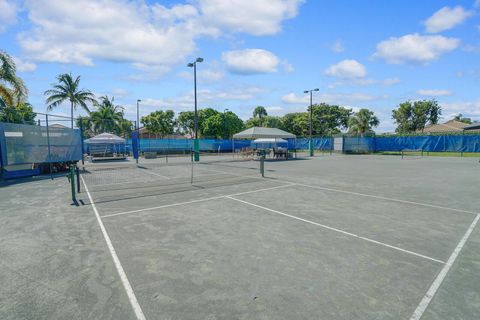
(347, 69)
(119, 92)
(434, 92)
(446, 18)
(275, 110)
(476, 4)
(333, 98)
(259, 17)
(24, 66)
(152, 38)
(287, 67)
(250, 61)
(337, 47)
(466, 108)
(472, 48)
(8, 14)
(364, 82)
(415, 48)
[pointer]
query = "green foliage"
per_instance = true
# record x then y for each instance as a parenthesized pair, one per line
(259, 112)
(362, 122)
(68, 89)
(186, 122)
(221, 125)
(159, 122)
(12, 88)
(297, 123)
(412, 116)
(21, 113)
(329, 119)
(459, 117)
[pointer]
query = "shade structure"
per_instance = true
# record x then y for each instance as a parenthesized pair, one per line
(269, 140)
(260, 132)
(105, 138)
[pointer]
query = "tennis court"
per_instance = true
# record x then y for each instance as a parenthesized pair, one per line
(330, 237)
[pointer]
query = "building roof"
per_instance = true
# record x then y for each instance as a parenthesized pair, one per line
(261, 132)
(449, 126)
(473, 126)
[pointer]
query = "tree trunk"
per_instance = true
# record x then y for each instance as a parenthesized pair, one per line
(71, 113)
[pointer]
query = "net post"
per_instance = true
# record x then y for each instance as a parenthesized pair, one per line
(48, 147)
(81, 138)
(72, 183)
(77, 173)
(262, 165)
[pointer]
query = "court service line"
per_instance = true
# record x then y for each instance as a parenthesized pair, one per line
(155, 174)
(385, 198)
(121, 272)
(194, 201)
(417, 314)
(338, 230)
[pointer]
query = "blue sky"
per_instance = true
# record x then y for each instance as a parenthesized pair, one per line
(372, 54)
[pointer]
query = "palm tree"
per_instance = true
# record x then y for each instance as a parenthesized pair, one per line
(108, 117)
(68, 89)
(259, 112)
(362, 122)
(12, 88)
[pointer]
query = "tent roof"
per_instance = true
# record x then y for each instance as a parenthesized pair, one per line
(260, 132)
(106, 138)
(270, 140)
(474, 126)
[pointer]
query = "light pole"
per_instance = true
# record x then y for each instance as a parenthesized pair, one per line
(195, 142)
(138, 115)
(224, 122)
(310, 144)
(138, 128)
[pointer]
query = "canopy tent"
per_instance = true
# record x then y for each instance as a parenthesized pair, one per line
(260, 132)
(270, 140)
(106, 146)
(105, 138)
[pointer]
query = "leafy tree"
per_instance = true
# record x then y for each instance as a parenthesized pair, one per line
(259, 112)
(329, 119)
(159, 122)
(272, 122)
(107, 117)
(20, 113)
(459, 117)
(124, 128)
(186, 122)
(296, 123)
(12, 89)
(362, 122)
(67, 89)
(413, 116)
(233, 124)
(203, 115)
(254, 122)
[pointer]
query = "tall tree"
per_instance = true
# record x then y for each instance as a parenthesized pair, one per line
(222, 125)
(108, 116)
(296, 123)
(329, 119)
(186, 122)
(12, 89)
(159, 122)
(259, 112)
(362, 122)
(414, 116)
(68, 89)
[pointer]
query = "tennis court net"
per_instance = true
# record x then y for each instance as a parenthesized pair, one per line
(110, 182)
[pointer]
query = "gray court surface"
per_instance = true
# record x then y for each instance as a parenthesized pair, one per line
(329, 237)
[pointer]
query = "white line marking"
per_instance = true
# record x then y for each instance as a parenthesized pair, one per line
(149, 172)
(123, 276)
(337, 230)
(441, 276)
(383, 198)
(194, 201)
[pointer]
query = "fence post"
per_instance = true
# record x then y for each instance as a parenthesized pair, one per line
(81, 138)
(48, 146)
